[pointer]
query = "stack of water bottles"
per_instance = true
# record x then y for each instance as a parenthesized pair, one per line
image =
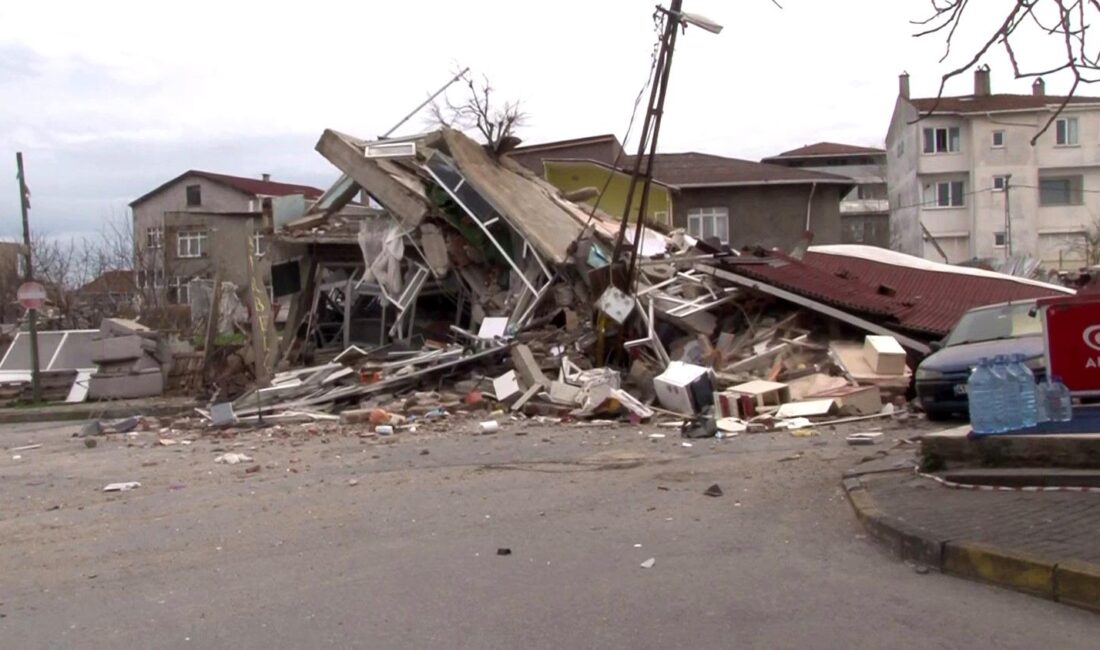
(1004, 396)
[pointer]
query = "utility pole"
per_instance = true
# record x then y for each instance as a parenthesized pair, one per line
(28, 276)
(1008, 221)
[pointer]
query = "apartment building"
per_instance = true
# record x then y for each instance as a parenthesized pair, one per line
(975, 176)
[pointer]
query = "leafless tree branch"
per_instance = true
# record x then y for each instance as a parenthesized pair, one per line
(1067, 19)
(480, 110)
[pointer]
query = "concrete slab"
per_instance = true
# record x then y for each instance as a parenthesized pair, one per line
(143, 384)
(954, 447)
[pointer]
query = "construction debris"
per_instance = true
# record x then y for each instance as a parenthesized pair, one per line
(469, 287)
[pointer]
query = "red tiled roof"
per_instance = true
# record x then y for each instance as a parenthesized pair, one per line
(701, 169)
(111, 282)
(252, 186)
(920, 301)
(260, 187)
(827, 149)
(933, 301)
(993, 103)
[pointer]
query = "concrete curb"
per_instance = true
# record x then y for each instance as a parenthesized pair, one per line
(97, 412)
(1073, 582)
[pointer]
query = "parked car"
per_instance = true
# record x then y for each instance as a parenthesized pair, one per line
(1004, 328)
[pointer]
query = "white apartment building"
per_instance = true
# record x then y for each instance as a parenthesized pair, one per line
(949, 162)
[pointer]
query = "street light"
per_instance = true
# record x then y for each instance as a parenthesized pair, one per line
(701, 22)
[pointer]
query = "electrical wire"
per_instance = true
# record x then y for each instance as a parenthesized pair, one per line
(629, 128)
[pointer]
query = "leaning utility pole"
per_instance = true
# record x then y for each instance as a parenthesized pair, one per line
(28, 276)
(1008, 221)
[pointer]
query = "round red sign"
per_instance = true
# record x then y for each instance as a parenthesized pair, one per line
(32, 295)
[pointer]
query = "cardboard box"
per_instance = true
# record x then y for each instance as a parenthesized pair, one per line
(764, 393)
(684, 388)
(862, 400)
(884, 355)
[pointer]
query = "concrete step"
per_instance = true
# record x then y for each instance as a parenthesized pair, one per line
(1024, 476)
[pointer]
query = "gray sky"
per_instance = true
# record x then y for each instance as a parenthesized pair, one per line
(109, 99)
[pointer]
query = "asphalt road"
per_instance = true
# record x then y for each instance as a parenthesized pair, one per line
(338, 541)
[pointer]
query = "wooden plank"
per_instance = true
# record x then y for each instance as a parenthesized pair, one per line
(400, 200)
(263, 324)
(299, 310)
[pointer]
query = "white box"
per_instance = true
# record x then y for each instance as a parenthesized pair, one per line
(884, 354)
(684, 388)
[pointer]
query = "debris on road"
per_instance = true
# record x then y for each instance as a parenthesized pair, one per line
(713, 491)
(121, 487)
(648, 564)
(232, 458)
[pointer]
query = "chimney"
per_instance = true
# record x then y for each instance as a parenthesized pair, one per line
(903, 85)
(981, 81)
(1039, 88)
(265, 177)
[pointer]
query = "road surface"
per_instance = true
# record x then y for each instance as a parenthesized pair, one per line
(342, 541)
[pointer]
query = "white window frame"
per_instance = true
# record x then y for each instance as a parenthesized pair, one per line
(660, 216)
(191, 244)
(933, 203)
(182, 287)
(994, 144)
(999, 187)
(154, 238)
(1067, 132)
(948, 131)
(697, 218)
(258, 244)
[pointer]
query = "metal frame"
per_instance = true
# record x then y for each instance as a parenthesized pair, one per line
(484, 226)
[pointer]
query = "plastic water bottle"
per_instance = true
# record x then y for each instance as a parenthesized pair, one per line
(1060, 402)
(1008, 412)
(1042, 412)
(984, 399)
(1024, 380)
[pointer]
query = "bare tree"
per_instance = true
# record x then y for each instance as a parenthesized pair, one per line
(1066, 21)
(1086, 244)
(495, 121)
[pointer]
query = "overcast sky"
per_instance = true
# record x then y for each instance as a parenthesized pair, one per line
(109, 99)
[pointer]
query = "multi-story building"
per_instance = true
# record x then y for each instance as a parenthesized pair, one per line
(197, 223)
(976, 176)
(865, 210)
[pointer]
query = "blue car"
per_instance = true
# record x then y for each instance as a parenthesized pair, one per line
(1005, 328)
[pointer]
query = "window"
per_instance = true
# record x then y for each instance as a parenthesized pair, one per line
(660, 216)
(999, 239)
(154, 238)
(191, 243)
(179, 290)
(945, 194)
(1065, 131)
(704, 223)
(194, 195)
(259, 244)
(945, 140)
(1060, 190)
(999, 183)
(998, 139)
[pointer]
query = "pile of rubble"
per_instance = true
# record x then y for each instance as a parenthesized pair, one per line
(480, 287)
